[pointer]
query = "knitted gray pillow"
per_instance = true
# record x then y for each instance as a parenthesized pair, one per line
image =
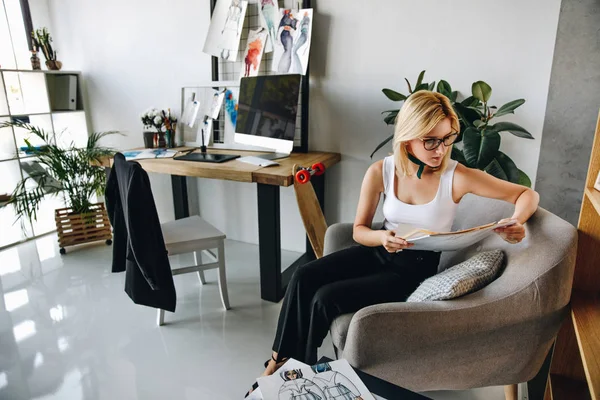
(461, 279)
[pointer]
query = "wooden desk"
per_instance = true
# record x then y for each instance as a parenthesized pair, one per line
(268, 179)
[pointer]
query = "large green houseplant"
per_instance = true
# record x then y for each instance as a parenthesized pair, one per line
(74, 172)
(478, 145)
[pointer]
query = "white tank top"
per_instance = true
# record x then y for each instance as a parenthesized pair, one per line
(437, 215)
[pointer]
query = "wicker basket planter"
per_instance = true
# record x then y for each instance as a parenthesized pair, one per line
(75, 228)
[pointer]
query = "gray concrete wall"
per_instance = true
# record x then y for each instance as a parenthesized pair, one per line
(572, 109)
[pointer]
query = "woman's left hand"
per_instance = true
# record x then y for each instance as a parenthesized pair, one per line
(513, 234)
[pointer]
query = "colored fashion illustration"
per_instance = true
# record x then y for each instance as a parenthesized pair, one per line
(300, 41)
(269, 8)
(287, 23)
(231, 28)
(298, 388)
(334, 384)
(254, 52)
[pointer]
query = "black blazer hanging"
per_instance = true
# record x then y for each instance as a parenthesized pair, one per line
(138, 245)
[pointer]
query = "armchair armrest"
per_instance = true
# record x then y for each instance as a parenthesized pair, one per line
(337, 237)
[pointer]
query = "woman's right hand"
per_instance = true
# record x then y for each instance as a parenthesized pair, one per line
(392, 243)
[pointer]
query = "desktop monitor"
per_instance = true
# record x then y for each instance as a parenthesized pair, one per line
(267, 109)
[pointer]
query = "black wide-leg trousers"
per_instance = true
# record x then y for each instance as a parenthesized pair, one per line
(340, 283)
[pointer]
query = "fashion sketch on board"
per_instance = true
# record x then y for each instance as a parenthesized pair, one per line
(254, 52)
(269, 16)
(296, 387)
(223, 39)
(292, 47)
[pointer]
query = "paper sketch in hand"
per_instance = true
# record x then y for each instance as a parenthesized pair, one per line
(254, 52)
(292, 47)
(334, 384)
(447, 241)
(223, 38)
(333, 380)
(268, 10)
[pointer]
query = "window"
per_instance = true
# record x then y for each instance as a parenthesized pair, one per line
(15, 31)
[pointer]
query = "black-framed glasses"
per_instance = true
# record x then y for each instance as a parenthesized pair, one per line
(432, 144)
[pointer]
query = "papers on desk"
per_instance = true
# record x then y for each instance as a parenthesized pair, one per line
(447, 241)
(149, 153)
(335, 379)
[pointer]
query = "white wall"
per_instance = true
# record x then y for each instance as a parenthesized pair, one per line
(356, 51)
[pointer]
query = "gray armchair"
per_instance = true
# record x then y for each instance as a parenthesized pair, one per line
(499, 335)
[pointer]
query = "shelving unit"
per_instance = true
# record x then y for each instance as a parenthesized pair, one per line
(33, 96)
(575, 369)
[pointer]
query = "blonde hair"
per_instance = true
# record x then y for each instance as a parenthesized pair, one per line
(420, 113)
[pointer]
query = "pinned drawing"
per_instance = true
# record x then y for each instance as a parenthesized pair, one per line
(269, 17)
(230, 114)
(254, 52)
(223, 39)
(292, 47)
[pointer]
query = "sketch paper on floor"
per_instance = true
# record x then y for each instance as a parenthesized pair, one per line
(268, 11)
(292, 45)
(223, 38)
(332, 380)
(254, 52)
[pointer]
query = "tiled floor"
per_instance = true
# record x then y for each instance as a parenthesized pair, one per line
(68, 330)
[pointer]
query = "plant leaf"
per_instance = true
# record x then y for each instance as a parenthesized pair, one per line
(515, 129)
(390, 119)
(393, 95)
(495, 169)
(453, 96)
(470, 102)
(509, 107)
(380, 145)
(444, 88)
(458, 155)
(466, 115)
(420, 79)
(508, 166)
(524, 179)
(431, 86)
(408, 83)
(480, 148)
(422, 86)
(482, 91)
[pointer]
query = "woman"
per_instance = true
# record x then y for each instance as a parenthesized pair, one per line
(422, 186)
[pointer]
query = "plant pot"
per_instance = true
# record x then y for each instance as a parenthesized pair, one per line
(149, 140)
(73, 228)
(162, 143)
(54, 65)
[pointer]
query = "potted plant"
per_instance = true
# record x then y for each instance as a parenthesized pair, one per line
(73, 172)
(42, 40)
(165, 124)
(478, 145)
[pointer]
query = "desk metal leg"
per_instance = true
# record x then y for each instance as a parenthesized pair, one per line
(269, 242)
(272, 281)
(180, 196)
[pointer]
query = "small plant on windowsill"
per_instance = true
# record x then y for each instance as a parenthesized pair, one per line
(75, 173)
(478, 145)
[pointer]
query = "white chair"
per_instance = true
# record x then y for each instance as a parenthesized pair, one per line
(195, 235)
